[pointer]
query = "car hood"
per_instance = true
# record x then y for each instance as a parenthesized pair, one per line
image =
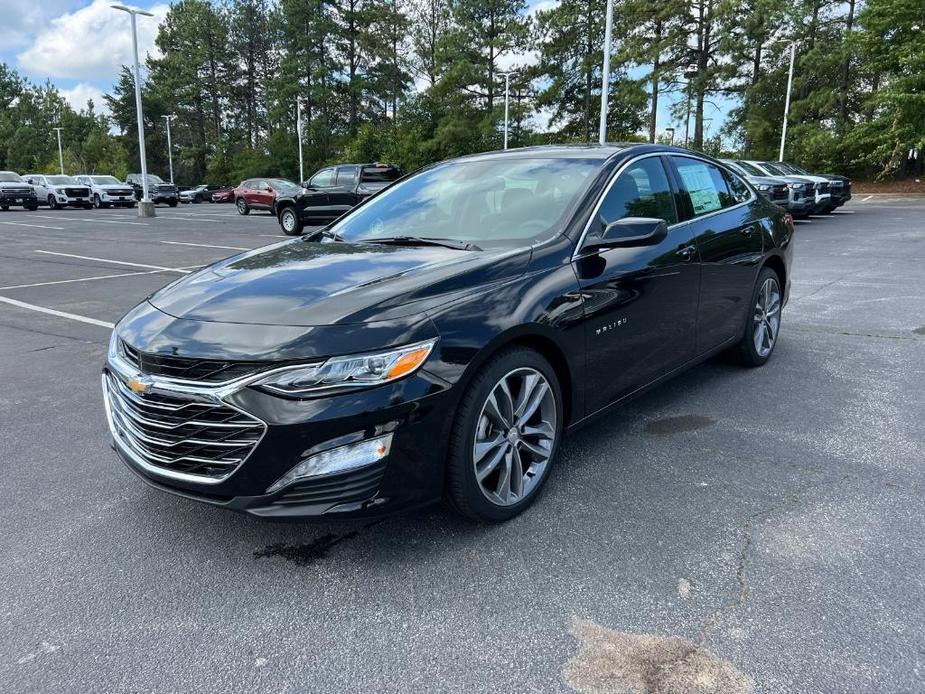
(111, 186)
(765, 180)
(297, 283)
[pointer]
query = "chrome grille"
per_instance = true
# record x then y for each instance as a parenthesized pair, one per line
(180, 434)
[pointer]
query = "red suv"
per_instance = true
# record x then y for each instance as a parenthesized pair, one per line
(261, 194)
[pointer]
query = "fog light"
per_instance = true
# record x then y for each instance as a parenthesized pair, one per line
(334, 460)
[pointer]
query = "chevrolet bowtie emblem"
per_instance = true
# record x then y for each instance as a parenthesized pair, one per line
(140, 384)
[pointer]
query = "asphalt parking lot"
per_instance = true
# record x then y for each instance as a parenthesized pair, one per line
(733, 530)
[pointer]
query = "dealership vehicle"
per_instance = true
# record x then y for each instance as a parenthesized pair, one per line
(822, 196)
(797, 196)
(107, 191)
(439, 339)
(59, 191)
(15, 191)
(840, 188)
(331, 192)
(158, 189)
(224, 194)
(261, 194)
(197, 194)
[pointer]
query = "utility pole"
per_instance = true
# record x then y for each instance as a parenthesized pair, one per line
(783, 135)
(507, 84)
(298, 129)
(169, 145)
(60, 155)
(605, 76)
(145, 207)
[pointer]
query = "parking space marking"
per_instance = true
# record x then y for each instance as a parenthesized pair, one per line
(83, 219)
(116, 262)
(80, 279)
(207, 245)
(53, 312)
(275, 236)
(867, 198)
(37, 226)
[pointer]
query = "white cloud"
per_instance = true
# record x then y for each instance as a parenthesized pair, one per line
(90, 43)
(23, 19)
(78, 96)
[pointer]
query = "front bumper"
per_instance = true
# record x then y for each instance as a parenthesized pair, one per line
(9, 198)
(416, 410)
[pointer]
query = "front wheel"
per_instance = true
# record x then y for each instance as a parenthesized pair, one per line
(4, 207)
(506, 436)
(241, 204)
(763, 326)
(52, 203)
(290, 222)
(172, 203)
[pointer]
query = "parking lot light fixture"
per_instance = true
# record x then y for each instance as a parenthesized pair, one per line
(783, 134)
(145, 207)
(60, 155)
(169, 145)
(605, 72)
(507, 85)
(670, 132)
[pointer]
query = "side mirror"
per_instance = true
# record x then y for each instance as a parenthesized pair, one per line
(633, 231)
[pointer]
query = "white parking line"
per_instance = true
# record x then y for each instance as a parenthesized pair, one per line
(80, 279)
(187, 219)
(82, 219)
(206, 245)
(37, 226)
(867, 198)
(60, 314)
(116, 262)
(274, 236)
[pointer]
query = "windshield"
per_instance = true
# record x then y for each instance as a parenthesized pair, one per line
(61, 180)
(748, 168)
(153, 178)
(772, 169)
(281, 185)
(104, 180)
(495, 201)
(10, 177)
(792, 168)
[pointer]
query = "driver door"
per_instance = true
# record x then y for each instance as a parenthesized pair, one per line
(640, 302)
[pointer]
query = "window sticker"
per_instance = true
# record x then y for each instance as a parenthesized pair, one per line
(700, 188)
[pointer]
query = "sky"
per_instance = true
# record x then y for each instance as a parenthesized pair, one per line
(79, 45)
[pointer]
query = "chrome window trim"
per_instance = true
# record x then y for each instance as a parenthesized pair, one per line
(576, 254)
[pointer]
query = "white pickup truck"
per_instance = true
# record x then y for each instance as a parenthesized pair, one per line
(108, 191)
(59, 191)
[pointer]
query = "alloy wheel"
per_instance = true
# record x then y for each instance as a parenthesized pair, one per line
(767, 317)
(288, 219)
(515, 436)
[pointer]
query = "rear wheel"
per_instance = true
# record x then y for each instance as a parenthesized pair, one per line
(241, 204)
(290, 222)
(506, 436)
(763, 326)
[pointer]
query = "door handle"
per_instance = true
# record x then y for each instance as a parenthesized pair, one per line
(748, 230)
(686, 253)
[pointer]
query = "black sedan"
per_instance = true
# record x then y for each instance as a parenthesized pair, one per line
(439, 340)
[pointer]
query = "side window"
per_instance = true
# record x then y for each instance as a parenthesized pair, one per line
(640, 191)
(704, 184)
(346, 175)
(322, 179)
(740, 190)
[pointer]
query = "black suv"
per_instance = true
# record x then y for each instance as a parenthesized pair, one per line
(331, 192)
(441, 338)
(158, 189)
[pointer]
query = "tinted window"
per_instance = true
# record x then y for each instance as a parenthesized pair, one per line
(740, 191)
(489, 202)
(379, 174)
(323, 179)
(346, 175)
(750, 169)
(704, 185)
(640, 191)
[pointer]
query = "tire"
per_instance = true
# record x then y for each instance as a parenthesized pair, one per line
(747, 352)
(241, 204)
(198, 200)
(289, 221)
(4, 207)
(491, 500)
(87, 206)
(52, 203)
(32, 208)
(172, 203)
(97, 203)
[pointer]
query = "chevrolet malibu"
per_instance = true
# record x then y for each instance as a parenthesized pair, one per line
(440, 339)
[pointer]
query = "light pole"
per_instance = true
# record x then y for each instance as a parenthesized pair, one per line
(145, 207)
(670, 132)
(507, 84)
(169, 145)
(783, 135)
(690, 73)
(298, 129)
(60, 155)
(605, 74)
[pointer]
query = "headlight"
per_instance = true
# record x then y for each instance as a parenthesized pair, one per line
(764, 187)
(795, 186)
(357, 370)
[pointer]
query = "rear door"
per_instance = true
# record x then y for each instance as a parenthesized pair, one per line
(726, 222)
(640, 303)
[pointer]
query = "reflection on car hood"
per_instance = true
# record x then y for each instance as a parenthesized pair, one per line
(297, 283)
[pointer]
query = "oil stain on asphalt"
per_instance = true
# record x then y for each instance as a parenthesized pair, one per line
(920, 331)
(614, 662)
(306, 553)
(675, 425)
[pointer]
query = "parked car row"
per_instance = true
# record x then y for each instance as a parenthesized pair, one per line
(792, 187)
(83, 190)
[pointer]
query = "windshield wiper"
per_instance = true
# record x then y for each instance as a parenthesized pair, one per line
(424, 241)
